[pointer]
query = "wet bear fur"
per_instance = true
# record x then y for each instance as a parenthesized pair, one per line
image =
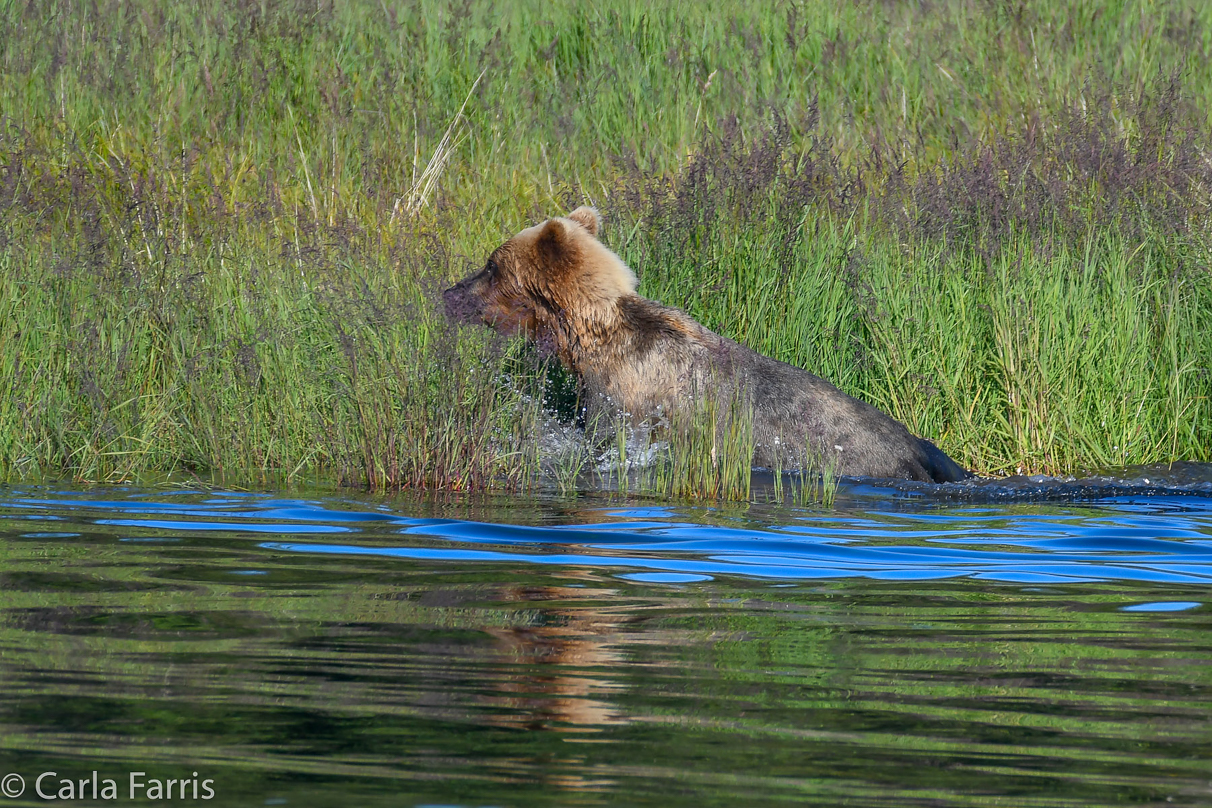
(563, 288)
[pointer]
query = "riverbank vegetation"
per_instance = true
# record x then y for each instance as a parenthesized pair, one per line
(224, 228)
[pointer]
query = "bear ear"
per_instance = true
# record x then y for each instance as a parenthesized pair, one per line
(552, 242)
(588, 218)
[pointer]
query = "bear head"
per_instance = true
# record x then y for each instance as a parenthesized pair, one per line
(549, 282)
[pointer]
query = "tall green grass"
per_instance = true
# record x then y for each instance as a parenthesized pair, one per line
(253, 373)
(222, 228)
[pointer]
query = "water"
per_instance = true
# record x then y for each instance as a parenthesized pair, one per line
(1030, 643)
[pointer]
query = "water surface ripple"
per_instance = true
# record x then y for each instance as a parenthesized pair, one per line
(1033, 642)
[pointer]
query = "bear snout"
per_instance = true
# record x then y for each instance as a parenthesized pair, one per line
(461, 306)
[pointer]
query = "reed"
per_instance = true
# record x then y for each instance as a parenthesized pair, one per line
(702, 451)
(810, 480)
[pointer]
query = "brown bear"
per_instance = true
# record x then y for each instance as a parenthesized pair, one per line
(564, 289)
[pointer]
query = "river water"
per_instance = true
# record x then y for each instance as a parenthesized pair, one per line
(1030, 642)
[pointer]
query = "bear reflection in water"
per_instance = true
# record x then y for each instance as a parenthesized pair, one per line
(558, 284)
(568, 654)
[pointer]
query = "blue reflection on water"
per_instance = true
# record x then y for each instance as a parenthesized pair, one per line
(664, 577)
(1159, 538)
(1168, 606)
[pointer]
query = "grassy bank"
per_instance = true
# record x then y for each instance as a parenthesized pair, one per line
(222, 231)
